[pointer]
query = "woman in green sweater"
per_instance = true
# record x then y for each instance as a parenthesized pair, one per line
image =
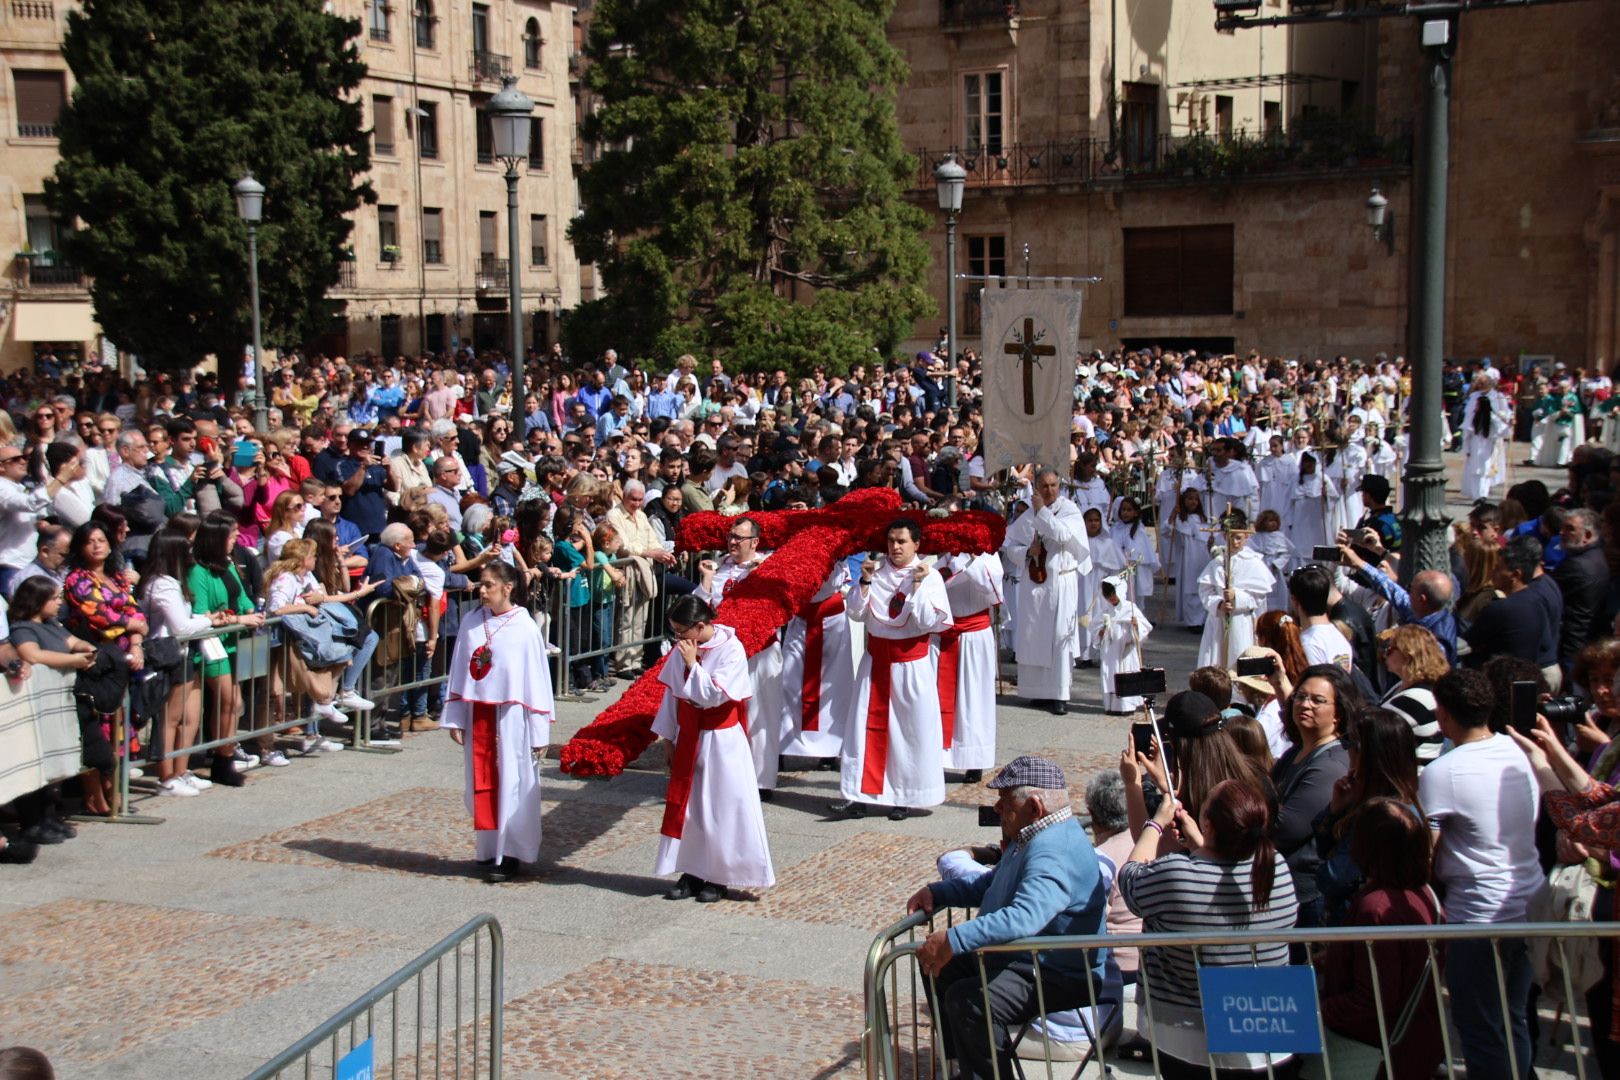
(216, 587)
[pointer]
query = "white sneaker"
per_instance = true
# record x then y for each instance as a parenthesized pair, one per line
(328, 746)
(197, 782)
(136, 772)
(309, 744)
(246, 760)
(242, 766)
(177, 786)
(275, 759)
(326, 709)
(351, 700)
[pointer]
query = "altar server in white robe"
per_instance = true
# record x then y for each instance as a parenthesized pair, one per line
(713, 831)
(1308, 515)
(1137, 546)
(1049, 544)
(1232, 603)
(1381, 457)
(1120, 632)
(1234, 480)
(816, 672)
(1189, 552)
(1272, 544)
(1487, 420)
(764, 667)
(498, 706)
(965, 656)
(1087, 489)
(1276, 473)
(894, 750)
(1106, 561)
(1174, 480)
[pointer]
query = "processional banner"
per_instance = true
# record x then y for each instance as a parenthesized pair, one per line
(1031, 339)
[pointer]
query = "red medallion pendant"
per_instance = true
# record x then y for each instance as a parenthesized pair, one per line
(480, 663)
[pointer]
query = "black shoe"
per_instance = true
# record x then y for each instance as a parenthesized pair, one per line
(506, 871)
(18, 851)
(766, 794)
(1087, 664)
(711, 893)
(827, 764)
(848, 808)
(1058, 708)
(223, 772)
(898, 813)
(485, 862)
(973, 776)
(1199, 629)
(60, 828)
(684, 889)
(40, 833)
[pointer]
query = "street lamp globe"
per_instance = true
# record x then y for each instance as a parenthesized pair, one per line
(249, 199)
(1377, 207)
(949, 180)
(509, 113)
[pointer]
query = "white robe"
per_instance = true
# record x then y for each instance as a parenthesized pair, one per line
(1141, 550)
(1090, 494)
(1277, 474)
(1235, 485)
(1252, 583)
(1189, 553)
(1308, 517)
(723, 836)
(1483, 459)
(1554, 443)
(519, 686)
(1106, 561)
(833, 708)
(974, 586)
(1120, 634)
(1172, 482)
(1048, 612)
(914, 772)
(765, 672)
(1281, 558)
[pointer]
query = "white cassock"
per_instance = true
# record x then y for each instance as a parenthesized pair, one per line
(1344, 474)
(1277, 474)
(1172, 482)
(894, 748)
(1257, 440)
(764, 670)
(1235, 485)
(1482, 457)
(1106, 561)
(713, 827)
(815, 709)
(1009, 613)
(1119, 632)
(1553, 443)
(1307, 519)
(1281, 559)
(1049, 612)
(1382, 461)
(1137, 546)
(965, 657)
(506, 715)
(1189, 553)
(1090, 494)
(1252, 582)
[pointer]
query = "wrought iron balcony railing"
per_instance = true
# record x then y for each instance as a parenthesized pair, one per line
(489, 67)
(977, 12)
(491, 274)
(45, 271)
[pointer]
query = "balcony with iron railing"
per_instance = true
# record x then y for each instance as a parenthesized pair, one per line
(36, 131)
(967, 13)
(490, 274)
(576, 63)
(45, 270)
(489, 67)
(346, 275)
(42, 10)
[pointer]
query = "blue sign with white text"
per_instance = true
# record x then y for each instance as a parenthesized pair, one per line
(358, 1064)
(1260, 1010)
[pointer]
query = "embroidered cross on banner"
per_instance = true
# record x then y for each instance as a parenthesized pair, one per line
(1029, 353)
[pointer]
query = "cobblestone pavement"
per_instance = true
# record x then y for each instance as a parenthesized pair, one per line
(204, 945)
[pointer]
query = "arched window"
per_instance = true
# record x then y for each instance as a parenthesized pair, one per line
(424, 24)
(531, 45)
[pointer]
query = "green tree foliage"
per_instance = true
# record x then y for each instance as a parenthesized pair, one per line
(175, 99)
(749, 202)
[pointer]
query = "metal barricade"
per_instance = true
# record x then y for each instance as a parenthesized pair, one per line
(451, 1022)
(608, 630)
(902, 1040)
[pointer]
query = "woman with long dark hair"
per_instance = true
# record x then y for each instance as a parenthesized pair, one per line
(1319, 710)
(217, 588)
(1383, 765)
(334, 581)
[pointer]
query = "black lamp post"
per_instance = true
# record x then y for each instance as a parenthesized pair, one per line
(509, 113)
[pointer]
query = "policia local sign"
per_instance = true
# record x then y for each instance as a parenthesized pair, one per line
(1260, 1010)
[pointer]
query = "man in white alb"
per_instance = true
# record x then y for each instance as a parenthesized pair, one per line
(1048, 544)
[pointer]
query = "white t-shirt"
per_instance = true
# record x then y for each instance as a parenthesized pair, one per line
(278, 540)
(432, 584)
(1482, 797)
(1324, 644)
(722, 473)
(287, 588)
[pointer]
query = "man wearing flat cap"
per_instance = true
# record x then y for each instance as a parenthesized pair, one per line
(1048, 882)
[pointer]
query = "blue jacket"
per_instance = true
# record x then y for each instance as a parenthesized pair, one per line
(1051, 886)
(1442, 624)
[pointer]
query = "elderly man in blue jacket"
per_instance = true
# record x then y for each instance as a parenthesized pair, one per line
(1047, 883)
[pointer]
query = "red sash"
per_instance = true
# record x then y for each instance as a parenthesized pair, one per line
(693, 720)
(949, 652)
(814, 614)
(486, 769)
(885, 653)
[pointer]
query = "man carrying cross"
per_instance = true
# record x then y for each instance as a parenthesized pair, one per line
(1048, 543)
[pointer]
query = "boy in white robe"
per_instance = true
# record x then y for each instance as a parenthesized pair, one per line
(894, 752)
(965, 656)
(1120, 633)
(1232, 603)
(713, 831)
(816, 670)
(1106, 561)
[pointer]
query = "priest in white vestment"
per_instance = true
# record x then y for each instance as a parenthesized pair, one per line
(764, 667)
(1049, 543)
(713, 831)
(498, 706)
(894, 748)
(1232, 603)
(965, 654)
(1120, 631)
(816, 672)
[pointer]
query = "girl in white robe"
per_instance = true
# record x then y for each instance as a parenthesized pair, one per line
(1281, 558)
(814, 714)
(1120, 634)
(713, 831)
(1189, 554)
(1167, 496)
(1487, 421)
(1137, 546)
(1276, 472)
(1106, 561)
(967, 687)
(498, 706)
(1308, 514)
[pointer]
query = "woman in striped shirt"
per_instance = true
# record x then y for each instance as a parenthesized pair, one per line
(1413, 656)
(1232, 879)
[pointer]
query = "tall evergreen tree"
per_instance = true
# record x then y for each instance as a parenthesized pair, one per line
(175, 99)
(750, 199)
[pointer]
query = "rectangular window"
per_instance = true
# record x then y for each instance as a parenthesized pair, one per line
(432, 235)
(43, 234)
(537, 239)
(433, 333)
(1141, 125)
(424, 25)
(390, 326)
(1223, 117)
(987, 257)
(382, 126)
(487, 232)
(983, 108)
(537, 143)
(40, 97)
(388, 233)
(1271, 121)
(480, 28)
(486, 133)
(427, 130)
(377, 14)
(1182, 270)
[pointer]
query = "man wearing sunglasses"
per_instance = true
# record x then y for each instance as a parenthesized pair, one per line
(20, 511)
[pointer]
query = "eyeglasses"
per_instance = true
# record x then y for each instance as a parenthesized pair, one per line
(111, 430)
(9, 460)
(740, 539)
(1314, 699)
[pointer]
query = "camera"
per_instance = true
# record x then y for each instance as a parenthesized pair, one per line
(1261, 666)
(1139, 683)
(1325, 553)
(1566, 710)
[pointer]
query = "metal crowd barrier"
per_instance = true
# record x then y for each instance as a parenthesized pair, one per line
(601, 631)
(900, 1019)
(449, 1022)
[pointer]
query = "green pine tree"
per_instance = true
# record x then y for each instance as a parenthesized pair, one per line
(175, 99)
(750, 200)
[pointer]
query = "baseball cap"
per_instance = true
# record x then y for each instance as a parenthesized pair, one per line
(1190, 715)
